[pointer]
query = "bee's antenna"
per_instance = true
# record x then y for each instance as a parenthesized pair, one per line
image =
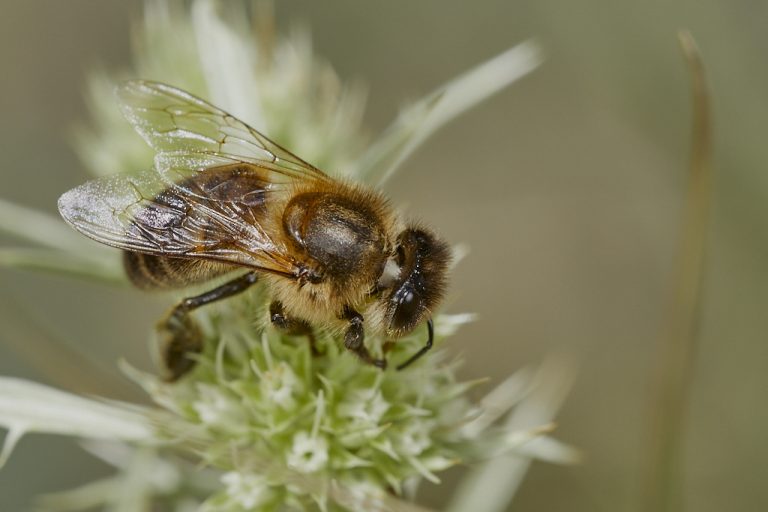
(424, 349)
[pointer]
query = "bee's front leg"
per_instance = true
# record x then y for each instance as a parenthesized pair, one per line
(180, 335)
(355, 336)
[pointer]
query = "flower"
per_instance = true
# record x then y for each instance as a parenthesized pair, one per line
(275, 426)
(247, 490)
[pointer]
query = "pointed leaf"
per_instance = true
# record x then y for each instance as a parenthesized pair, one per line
(27, 406)
(491, 486)
(425, 117)
(39, 227)
(71, 264)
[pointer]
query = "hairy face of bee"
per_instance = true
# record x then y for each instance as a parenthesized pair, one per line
(423, 260)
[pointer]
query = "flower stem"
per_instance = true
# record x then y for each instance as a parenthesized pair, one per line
(677, 346)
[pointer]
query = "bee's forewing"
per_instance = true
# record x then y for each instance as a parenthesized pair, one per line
(142, 213)
(207, 199)
(103, 209)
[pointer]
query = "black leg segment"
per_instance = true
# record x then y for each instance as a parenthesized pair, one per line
(355, 336)
(179, 334)
(423, 350)
(292, 326)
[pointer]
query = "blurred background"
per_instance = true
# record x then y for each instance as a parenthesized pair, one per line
(568, 187)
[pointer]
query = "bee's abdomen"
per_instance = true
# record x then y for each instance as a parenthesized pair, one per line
(151, 272)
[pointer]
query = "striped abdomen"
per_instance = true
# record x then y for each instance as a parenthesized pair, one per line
(150, 272)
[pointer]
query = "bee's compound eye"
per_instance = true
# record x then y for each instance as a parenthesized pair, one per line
(407, 311)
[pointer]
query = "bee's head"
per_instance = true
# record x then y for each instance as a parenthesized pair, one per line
(414, 279)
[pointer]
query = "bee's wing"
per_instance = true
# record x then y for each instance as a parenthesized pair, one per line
(189, 171)
(224, 219)
(174, 121)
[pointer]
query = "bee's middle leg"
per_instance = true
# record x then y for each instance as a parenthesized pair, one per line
(180, 335)
(354, 339)
(292, 326)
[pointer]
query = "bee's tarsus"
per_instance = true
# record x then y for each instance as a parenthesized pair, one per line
(423, 350)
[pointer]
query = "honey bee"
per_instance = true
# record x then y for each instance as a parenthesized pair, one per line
(224, 197)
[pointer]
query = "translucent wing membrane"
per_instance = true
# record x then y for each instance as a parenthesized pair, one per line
(171, 120)
(215, 177)
(183, 169)
(223, 220)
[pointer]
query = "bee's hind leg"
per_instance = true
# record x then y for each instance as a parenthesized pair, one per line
(354, 339)
(292, 326)
(180, 335)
